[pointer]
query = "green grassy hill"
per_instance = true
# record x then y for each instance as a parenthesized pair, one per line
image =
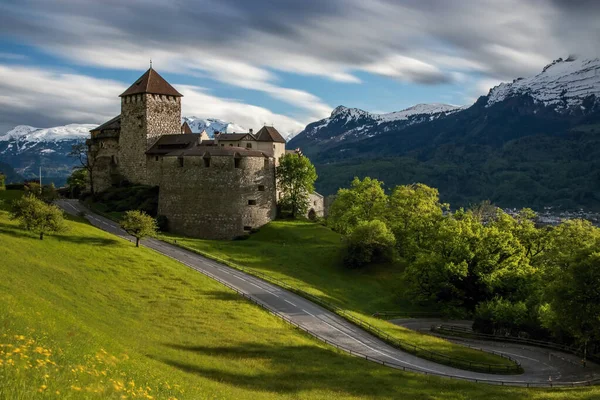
(308, 256)
(87, 315)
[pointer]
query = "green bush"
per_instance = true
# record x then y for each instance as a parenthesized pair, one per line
(369, 242)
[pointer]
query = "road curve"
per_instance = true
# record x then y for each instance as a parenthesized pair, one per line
(315, 319)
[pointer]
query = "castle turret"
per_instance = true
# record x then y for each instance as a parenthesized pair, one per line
(150, 108)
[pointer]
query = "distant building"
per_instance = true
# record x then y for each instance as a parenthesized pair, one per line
(215, 189)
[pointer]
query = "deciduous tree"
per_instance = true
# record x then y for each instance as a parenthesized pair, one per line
(296, 177)
(364, 201)
(87, 156)
(370, 241)
(138, 224)
(37, 216)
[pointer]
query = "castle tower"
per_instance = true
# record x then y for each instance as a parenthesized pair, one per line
(150, 108)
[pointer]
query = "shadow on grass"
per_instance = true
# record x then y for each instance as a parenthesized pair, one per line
(295, 369)
(95, 241)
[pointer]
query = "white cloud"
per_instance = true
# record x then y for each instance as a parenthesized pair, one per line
(43, 97)
(198, 102)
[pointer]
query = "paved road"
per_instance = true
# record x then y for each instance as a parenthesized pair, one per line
(557, 365)
(310, 316)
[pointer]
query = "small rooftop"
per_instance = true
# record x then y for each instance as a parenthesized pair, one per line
(151, 82)
(168, 143)
(269, 134)
(232, 136)
(113, 124)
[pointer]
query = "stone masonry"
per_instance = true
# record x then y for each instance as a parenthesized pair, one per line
(214, 189)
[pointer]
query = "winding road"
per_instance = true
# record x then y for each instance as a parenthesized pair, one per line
(336, 330)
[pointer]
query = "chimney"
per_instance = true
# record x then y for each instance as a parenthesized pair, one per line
(251, 131)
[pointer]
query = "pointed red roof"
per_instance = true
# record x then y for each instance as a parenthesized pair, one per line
(151, 82)
(185, 128)
(269, 134)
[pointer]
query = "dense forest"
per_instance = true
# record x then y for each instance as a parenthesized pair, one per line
(507, 273)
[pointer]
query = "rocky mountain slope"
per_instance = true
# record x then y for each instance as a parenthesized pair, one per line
(532, 142)
(352, 124)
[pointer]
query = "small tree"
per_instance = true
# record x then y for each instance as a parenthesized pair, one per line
(37, 216)
(87, 156)
(77, 181)
(2, 181)
(296, 177)
(370, 241)
(139, 224)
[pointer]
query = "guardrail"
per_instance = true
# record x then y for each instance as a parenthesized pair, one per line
(453, 330)
(406, 314)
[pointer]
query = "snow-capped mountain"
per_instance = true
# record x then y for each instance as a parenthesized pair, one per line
(26, 148)
(562, 85)
(211, 125)
(353, 124)
(26, 133)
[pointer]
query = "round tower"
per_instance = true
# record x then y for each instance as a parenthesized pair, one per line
(150, 108)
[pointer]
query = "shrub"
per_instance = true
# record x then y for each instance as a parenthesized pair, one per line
(370, 241)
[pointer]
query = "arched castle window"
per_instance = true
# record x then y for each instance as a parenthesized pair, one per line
(206, 159)
(237, 160)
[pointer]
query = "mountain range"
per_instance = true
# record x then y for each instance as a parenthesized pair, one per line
(532, 142)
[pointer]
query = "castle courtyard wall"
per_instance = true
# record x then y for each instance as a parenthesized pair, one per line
(213, 202)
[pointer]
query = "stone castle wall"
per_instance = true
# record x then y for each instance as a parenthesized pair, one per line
(144, 118)
(219, 201)
(105, 163)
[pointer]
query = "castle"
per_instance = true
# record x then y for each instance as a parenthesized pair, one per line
(215, 189)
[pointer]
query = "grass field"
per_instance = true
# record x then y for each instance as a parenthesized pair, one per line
(87, 315)
(308, 256)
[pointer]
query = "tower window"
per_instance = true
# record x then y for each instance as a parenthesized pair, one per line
(273, 147)
(261, 188)
(237, 162)
(251, 202)
(248, 145)
(156, 158)
(206, 162)
(247, 228)
(180, 159)
(266, 163)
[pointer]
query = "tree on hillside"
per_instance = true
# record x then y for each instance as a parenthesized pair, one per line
(37, 216)
(138, 224)
(2, 181)
(77, 181)
(413, 214)
(364, 201)
(88, 157)
(575, 298)
(370, 241)
(466, 263)
(296, 177)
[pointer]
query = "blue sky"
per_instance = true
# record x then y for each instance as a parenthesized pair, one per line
(281, 62)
